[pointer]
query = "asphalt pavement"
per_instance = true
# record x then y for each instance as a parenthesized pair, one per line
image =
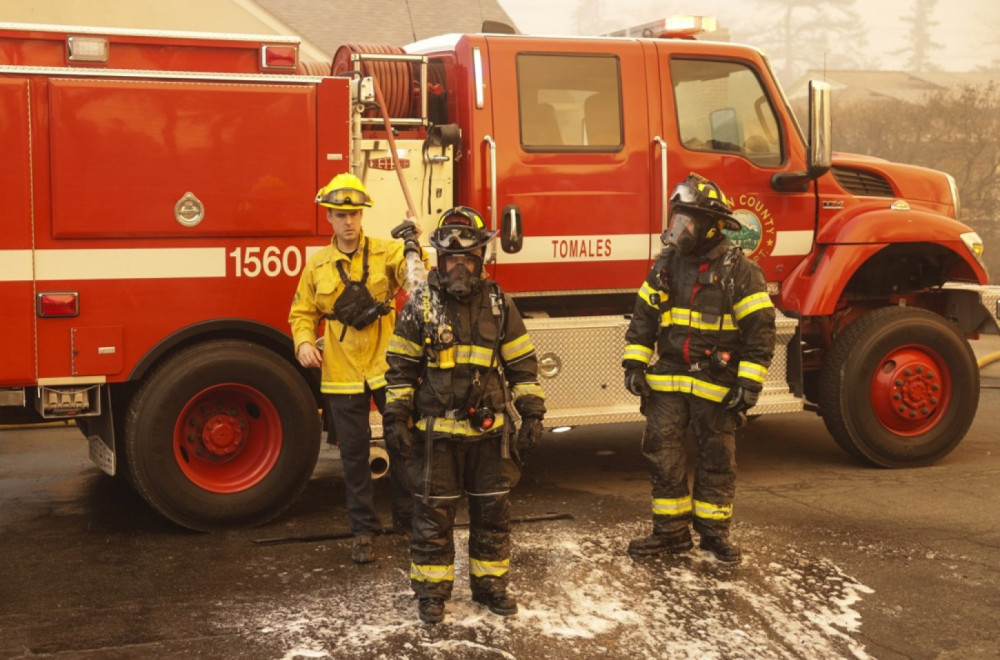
(840, 561)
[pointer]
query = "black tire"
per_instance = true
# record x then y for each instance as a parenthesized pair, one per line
(224, 434)
(899, 387)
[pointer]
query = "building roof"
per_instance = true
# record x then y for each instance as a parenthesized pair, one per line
(323, 25)
(330, 23)
(911, 87)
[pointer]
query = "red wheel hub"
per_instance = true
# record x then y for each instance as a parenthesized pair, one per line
(911, 390)
(227, 438)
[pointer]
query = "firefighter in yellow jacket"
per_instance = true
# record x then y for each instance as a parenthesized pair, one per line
(351, 283)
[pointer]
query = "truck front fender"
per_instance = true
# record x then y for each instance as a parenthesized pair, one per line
(847, 243)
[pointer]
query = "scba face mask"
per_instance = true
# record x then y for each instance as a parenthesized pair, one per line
(460, 281)
(682, 233)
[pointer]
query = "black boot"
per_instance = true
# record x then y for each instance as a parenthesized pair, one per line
(723, 549)
(655, 544)
(498, 602)
(431, 610)
(361, 550)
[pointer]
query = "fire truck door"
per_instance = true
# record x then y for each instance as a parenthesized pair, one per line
(572, 153)
(723, 121)
(17, 341)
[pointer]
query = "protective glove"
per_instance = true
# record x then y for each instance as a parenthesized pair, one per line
(396, 429)
(529, 435)
(635, 382)
(740, 399)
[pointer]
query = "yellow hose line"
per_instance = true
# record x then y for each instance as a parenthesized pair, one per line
(989, 358)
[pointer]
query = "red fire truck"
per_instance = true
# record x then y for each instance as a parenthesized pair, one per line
(158, 189)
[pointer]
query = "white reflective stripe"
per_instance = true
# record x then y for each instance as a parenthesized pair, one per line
(596, 247)
(788, 243)
(15, 266)
(130, 263)
(626, 247)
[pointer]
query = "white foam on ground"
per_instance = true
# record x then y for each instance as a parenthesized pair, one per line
(580, 594)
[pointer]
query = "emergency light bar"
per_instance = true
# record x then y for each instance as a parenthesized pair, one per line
(674, 27)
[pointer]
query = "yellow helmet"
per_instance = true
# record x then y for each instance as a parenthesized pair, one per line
(346, 192)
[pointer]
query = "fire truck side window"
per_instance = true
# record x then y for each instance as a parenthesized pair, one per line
(721, 106)
(569, 102)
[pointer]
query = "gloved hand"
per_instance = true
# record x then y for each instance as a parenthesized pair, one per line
(740, 399)
(635, 382)
(529, 435)
(396, 429)
(399, 439)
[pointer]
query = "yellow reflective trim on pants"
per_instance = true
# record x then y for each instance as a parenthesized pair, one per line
(483, 568)
(432, 572)
(672, 507)
(712, 511)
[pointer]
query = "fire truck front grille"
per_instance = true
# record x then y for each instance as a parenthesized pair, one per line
(860, 182)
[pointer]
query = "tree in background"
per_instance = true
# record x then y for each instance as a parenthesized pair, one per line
(956, 131)
(810, 34)
(921, 44)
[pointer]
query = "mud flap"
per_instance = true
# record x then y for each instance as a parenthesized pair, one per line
(100, 432)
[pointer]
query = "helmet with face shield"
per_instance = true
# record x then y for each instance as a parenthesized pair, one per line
(344, 192)
(699, 211)
(460, 240)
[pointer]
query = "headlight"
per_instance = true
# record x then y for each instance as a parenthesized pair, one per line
(955, 200)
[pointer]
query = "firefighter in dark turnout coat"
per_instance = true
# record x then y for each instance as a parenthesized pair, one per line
(706, 309)
(460, 362)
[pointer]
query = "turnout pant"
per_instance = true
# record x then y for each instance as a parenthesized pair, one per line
(668, 415)
(477, 469)
(349, 416)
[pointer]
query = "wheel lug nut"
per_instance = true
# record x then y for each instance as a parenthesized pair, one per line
(907, 372)
(920, 370)
(934, 400)
(896, 396)
(898, 383)
(924, 410)
(913, 413)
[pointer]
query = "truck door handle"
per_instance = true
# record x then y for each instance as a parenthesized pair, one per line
(491, 143)
(663, 180)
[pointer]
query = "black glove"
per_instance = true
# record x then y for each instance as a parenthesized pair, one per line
(529, 435)
(399, 439)
(396, 429)
(635, 382)
(740, 399)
